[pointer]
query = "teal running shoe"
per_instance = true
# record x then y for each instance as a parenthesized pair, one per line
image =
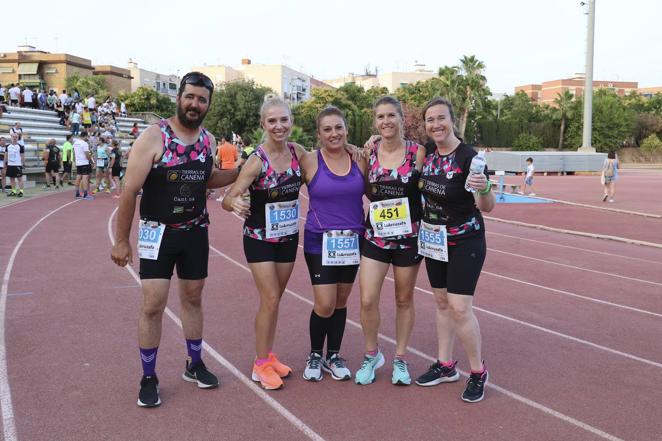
(400, 373)
(366, 374)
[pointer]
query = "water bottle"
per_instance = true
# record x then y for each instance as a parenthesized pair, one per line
(477, 167)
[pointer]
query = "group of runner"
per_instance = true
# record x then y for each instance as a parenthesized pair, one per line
(418, 207)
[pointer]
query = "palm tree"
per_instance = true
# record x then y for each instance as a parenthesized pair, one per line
(474, 86)
(563, 101)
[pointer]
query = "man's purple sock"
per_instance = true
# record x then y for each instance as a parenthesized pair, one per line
(148, 359)
(194, 348)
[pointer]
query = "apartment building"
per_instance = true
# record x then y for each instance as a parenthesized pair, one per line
(548, 91)
(164, 84)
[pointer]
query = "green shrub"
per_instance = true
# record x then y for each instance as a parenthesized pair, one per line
(527, 142)
(652, 144)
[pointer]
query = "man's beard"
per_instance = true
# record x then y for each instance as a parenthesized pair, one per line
(189, 123)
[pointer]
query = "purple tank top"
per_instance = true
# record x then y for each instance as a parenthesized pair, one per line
(336, 203)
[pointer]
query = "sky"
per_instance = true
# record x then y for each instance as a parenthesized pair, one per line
(520, 42)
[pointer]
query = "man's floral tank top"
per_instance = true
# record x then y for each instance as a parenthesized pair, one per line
(384, 183)
(271, 186)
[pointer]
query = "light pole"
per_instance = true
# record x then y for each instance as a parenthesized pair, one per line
(588, 80)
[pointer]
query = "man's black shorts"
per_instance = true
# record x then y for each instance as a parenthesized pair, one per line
(14, 171)
(53, 167)
(66, 167)
(188, 250)
(83, 170)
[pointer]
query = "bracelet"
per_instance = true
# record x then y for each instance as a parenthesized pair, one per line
(487, 189)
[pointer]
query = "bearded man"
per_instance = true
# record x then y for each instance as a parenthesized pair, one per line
(172, 163)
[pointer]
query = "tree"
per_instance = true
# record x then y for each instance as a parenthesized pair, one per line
(612, 121)
(88, 85)
(645, 124)
(473, 88)
(235, 107)
(563, 101)
(146, 99)
(652, 144)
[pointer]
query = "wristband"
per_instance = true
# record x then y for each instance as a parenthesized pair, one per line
(487, 189)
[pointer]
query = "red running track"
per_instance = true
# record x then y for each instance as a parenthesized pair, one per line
(570, 326)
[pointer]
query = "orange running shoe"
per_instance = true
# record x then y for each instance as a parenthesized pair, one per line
(267, 377)
(281, 369)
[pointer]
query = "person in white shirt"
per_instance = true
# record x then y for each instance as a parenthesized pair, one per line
(14, 95)
(18, 131)
(27, 97)
(528, 178)
(63, 97)
(15, 158)
(92, 103)
(83, 169)
(3, 93)
(79, 107)
(3, 151)
(122, 108)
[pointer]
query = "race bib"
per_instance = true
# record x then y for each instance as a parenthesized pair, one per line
(150, 235)
(101, 162)
(2, 163)
(390, 217)
(282, 219)
(340, 247)
(433, 241)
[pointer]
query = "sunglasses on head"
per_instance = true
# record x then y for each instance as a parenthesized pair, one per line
(197, 79)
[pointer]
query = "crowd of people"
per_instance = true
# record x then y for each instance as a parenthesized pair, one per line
(92, 144)
(419, 206)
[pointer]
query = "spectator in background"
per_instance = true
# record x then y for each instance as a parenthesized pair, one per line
(75, 123)
(27, 97)
(63, 98)
(51, 100)
(116, 168)
(18, 131)
(41, 98)
(226, 153)
(123, 109)
(67, 159)
(52, 158)
(528, 177)
(3, 151)
(76, 96)
(134, 130)
(609, 176)
(3, 93)
(87, 118)
(15, 159)
(14, 95)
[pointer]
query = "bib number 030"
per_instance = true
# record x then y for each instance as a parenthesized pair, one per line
(150, 235)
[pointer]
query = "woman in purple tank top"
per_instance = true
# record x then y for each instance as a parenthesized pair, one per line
(332, 235)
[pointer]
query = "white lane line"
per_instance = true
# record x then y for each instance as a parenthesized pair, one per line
(603, 253)
(28, 199)
(551, 262)
(8, 423)
(572, 294)
(492, 385)
(275, 405)
(556, 333)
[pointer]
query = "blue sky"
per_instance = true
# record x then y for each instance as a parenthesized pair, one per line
(520, 42)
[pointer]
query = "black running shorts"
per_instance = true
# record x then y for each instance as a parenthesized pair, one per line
(14, 171)
(398, 257)
(460, 274)
(83, 170)
(257, 250)
(329, 275)
(53, 167)
(188, 250)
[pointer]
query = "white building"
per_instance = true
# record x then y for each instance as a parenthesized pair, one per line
(292, 85)
(164, 84)
(391, 80)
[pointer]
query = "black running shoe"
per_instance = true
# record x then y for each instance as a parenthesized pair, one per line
(199, 374)
(475, 390)
(437, 374)
(149, 392)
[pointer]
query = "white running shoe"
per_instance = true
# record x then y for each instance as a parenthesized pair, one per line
(313, 371)
(337, 367)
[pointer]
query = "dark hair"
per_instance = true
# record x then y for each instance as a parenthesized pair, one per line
(529, 159)
(83, 134)
(327, 111)
(611, 154)
(439, 101)
(69, 137)
(227, 137)
(196, 79)
(388, 99)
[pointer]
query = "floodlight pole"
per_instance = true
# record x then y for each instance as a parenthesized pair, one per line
(588, 81)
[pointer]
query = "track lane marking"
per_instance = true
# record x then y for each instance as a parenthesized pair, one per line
(274, 404)
(8, 420)
(604, 253)
(492, 385)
